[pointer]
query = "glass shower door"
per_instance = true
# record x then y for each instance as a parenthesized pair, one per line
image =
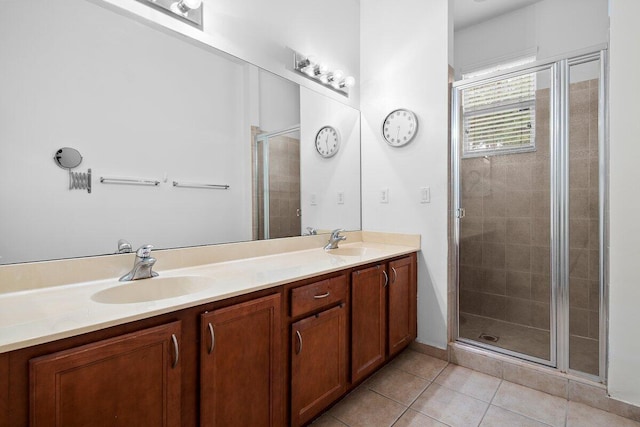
(505, 283)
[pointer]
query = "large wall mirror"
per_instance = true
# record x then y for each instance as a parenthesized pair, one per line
(139, 102)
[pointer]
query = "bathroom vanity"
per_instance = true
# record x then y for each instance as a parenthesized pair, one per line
(298, 331)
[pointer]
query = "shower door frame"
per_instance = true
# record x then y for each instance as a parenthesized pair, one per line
(559, 175)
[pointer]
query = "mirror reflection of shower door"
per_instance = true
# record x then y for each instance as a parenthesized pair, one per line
(276, 197)
(505, 296)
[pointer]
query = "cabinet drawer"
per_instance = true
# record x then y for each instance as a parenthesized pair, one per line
(317, 295)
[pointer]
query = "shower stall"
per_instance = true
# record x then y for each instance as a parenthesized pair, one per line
(276, 183)
(529, 177)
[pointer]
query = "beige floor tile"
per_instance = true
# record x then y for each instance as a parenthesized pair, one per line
(531, 403)
(328, 421)
(397, 385)
(470, 382)
(412, 418)
(498, 417)
(580, 415)
(419, 364)
(450, 407)
(366, 408)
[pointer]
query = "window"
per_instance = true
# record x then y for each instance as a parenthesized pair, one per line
(499, 116)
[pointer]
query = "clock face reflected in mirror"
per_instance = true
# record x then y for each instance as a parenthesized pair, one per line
(399, 127)
(327, 141)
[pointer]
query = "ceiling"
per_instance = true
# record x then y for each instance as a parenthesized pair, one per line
(470, 12)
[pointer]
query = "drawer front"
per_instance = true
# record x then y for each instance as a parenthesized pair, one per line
(317, 295)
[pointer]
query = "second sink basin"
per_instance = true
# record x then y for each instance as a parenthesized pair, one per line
(153, 289)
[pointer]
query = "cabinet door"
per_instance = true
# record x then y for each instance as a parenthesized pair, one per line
(402, 304)
(318, 363)
(241, 365)
(131, 380)
(368, 321)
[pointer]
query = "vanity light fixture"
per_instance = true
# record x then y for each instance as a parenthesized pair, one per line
(335, 80)
(187, 10)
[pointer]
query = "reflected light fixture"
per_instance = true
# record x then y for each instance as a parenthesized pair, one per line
(309, 67)
(186, 10)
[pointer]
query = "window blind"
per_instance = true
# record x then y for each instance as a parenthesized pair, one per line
(499, 116)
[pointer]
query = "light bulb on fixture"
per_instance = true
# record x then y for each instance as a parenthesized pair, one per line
(183, 7)
(349, 81)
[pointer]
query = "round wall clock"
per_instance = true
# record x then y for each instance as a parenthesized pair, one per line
(400, 127)
(327, 141)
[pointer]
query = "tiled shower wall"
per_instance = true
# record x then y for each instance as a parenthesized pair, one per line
(583, 227)
(504, 237)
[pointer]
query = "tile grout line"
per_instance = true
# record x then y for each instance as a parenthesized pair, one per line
(430, 382)
(490, 402)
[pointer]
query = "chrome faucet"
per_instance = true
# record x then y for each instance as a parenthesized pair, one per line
(334, 239)
(142, 266)
(310, 232)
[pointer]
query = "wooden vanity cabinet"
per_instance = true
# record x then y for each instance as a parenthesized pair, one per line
(130, 380)
(240, 361)
(402, 304)
(383, 313)
(368, 320)
(274, 357)
(318, 346)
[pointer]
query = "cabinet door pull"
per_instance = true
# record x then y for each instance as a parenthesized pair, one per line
(386, 278)
(213, 338)
(176, 350)
(322, 296)
(299, 342)
(395, 275)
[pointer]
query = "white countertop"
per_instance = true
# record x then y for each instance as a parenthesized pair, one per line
(42, 315)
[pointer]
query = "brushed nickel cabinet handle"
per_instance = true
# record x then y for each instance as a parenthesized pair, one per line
(299, 342)
(322, 296)
(213, 338)
(386, 278)
(176, 350)
(395, 275)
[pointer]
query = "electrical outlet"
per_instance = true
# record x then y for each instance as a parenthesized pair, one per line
(425, 195)
(314, 199)
(384, 195)
(341, 197)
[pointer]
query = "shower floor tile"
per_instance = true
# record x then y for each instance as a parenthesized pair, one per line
(521, 339)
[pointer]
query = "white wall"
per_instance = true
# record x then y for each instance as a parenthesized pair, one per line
(103, 85)
(264, 32)
(547, 28)
(323, 178)
(408, 68)
(279, 102)
(624, 315)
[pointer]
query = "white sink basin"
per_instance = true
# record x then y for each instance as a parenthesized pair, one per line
(153, 289)
(347, 251)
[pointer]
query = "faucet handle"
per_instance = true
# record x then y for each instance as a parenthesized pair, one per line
(144, 251)
(335, 234)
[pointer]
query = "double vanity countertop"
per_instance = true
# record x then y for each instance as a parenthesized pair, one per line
(40, 314)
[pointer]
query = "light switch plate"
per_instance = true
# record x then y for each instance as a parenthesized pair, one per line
(341, 197)
(425, 195)
(384, 195)
(314, 199)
